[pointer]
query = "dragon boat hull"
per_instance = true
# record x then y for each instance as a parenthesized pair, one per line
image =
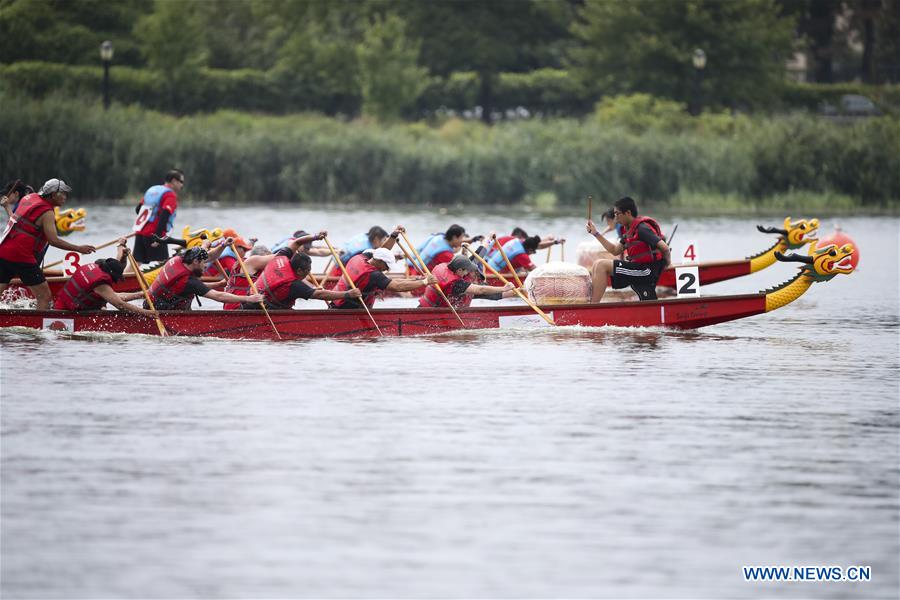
(300, 324)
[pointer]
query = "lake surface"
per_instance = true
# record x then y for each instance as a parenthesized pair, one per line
(577, 463)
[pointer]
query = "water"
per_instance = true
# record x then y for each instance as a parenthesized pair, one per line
(534, 463)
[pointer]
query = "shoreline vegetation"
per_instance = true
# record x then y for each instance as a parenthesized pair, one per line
(637, 145)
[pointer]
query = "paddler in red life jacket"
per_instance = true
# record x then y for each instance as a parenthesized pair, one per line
(367, 270)
(179, 281)
(26, 237)
(257, 261)
(221, 251)
(457, 280)
(646, 254)
(281, 281)
(439, 248)
(156, 216)
(90, 288)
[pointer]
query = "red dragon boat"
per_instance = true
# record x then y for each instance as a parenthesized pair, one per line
(794, 236)
(684, 313)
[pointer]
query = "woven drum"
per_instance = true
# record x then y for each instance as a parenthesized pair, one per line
(559, 283)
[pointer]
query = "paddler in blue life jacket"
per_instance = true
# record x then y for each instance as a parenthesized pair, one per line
(374, 238)
(517, 251)
(156, 216)
(646, 254)
(439, 248)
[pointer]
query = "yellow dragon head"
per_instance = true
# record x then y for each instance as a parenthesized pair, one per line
(824, 263)
(196, 237)
(795, 234)
(69, 220)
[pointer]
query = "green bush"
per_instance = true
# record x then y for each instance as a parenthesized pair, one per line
(306, 158)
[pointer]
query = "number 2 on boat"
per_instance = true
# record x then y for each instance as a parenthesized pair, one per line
(687, 281)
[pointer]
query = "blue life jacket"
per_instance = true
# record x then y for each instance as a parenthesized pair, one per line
(433, 246)
(512, 248)
(152, 198)
(355, 246)
(282, 243)
(227, 252)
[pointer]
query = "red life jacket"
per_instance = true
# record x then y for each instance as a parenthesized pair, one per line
(168, 287)
(228, 262)
(275, 282)
(23, 239)
(78, 292)
(446, 280)
(237, 284)
(360, 271)
(636, 250)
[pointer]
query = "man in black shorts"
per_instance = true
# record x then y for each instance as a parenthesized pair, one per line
(646, 254)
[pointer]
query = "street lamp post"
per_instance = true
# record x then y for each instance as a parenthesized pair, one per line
(106, 54)
(699, 61)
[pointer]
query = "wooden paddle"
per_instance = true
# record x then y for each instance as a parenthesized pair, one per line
(508, 264)
(222, 268)
(503, 279)
(315, 281)
(549, 248)
(100, 247)
(426, 271)
(253, 289)
(146, 290)
(562, 251)
(352, 285)
(590, 202)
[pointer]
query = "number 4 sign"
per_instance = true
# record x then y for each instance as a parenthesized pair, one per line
(687, 281)
(690, 253)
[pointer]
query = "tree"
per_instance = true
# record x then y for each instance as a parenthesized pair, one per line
(69, 32)
(887, 45)
(488, 37)
(390, 78)
(647, 47)
(172, 40)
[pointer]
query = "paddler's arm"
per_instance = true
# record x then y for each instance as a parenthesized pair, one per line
(107, 293)
(392, 239)
(408, 285)
(47, 221)
(216, 249)
(490, 292)
(224, 297)
(614, 249)
(332, 295)
(663, 247)
(299, 242)
(161, 225)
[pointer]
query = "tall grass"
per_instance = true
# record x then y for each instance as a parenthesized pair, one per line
(234, 156)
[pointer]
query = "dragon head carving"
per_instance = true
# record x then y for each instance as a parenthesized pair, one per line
(197, 236)
(69, 220)
(824, 263)
(795, 234)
